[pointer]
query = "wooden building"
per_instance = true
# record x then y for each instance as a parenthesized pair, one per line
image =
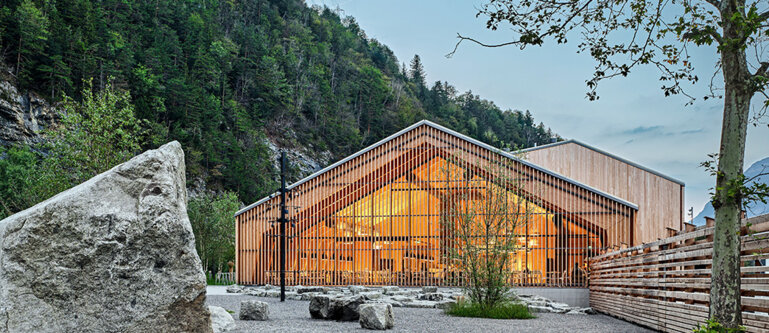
(660, 198)
(375, 217)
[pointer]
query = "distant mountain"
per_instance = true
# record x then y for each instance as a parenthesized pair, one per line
(755, 209)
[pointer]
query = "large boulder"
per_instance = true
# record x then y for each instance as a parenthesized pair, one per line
(221, 320)
(342, 308)
(376, 316)
(321, 307)
(254, 310)
(114, 254)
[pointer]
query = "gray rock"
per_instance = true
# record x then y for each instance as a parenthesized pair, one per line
(254, 310)
(371, 295)
(356, 289)
(255, 292)
(376, 316)
(534, 308)
(576, 312)
(390, 290)
(402, 299)
(419, 304)
(321, 307)
(429, 289)
(342, 308)
(431, 297)
(302, 290)
(113, 254)
(234, 289)
(23, 116)
(348, 307)
(221, 320)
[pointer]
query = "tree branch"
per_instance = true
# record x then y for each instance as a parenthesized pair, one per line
(762, 70)
(463, 38)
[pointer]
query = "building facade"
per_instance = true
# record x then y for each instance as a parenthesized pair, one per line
(660, 198)
(379, 217)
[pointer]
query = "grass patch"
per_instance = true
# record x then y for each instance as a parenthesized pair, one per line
(505, 310)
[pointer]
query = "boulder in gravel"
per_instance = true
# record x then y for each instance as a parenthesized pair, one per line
(356, 289)
(113, 254)
(431, 297)
(221, 320)
(321, 307)
(429, 289)
(234, 289)
(390, 290)
(348, 307)
(254, 310)
(376, 316)
(302, 290)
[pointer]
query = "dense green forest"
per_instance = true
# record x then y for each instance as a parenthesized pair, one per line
(222, 76)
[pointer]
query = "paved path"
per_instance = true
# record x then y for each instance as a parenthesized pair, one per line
(293, 316)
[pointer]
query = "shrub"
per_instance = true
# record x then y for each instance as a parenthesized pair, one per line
(501, 310)
(712, 326)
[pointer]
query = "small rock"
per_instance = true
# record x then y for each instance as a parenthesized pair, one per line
(576, 312)
(356, 289)
(302, 290)
(376, 316)
(371, 295)
(221, 320)
(429, 289)
(402, 298)
(419, 304)
(390, 290)
(534, 308)
(432, 297)
(235, 289)
(254, 310)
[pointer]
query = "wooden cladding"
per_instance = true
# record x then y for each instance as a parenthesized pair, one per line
(375, 219)
(665, 285)
(659, 197)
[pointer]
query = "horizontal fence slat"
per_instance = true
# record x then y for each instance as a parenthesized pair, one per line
(665, 285)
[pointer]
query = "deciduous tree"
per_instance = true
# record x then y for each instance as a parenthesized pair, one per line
(623, 34)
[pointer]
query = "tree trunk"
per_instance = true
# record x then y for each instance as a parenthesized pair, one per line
(725, 304)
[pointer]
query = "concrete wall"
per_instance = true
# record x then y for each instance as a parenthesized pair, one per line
(572, 296)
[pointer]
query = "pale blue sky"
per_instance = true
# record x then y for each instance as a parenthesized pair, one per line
(632, 119)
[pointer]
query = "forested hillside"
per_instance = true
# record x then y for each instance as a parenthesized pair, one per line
(227, 77)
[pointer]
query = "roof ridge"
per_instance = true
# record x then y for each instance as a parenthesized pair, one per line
(450, 132)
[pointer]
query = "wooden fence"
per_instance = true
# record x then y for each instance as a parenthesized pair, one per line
(665, 284)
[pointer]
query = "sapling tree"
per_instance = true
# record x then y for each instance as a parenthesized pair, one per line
(483, 214)
(621, 35)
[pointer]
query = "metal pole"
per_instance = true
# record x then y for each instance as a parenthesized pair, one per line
(282, 222)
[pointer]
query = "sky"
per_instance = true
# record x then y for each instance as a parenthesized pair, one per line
(631, 119)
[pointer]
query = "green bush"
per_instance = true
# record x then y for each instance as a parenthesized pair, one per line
(503, 310)
(712, 326)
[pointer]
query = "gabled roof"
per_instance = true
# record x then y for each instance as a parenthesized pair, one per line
(456, 134)
(606, 154)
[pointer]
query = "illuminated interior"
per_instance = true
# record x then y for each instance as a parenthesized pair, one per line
(380, 224)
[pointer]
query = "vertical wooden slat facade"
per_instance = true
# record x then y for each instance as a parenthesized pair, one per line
(374, 218)
(659, 197)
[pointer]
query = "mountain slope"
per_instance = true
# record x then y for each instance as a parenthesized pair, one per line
(755, 209)
(233, 80)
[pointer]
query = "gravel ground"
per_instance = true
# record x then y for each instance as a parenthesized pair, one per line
(293, 316)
